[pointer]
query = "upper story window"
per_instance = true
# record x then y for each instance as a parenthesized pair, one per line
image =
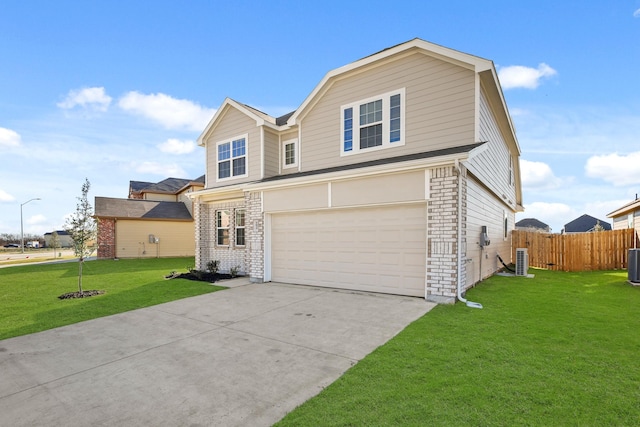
(232, 158)
(373, 123)
(290, 153)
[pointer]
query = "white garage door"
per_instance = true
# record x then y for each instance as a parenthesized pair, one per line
(381, 249)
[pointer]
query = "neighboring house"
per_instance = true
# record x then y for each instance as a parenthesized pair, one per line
(64, 239)
(532, 224)
(585, 224)
(627, 216)
(382, 180)
(156, 220)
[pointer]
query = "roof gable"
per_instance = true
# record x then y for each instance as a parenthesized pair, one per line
(261, 119)
(465, 60)
(585, 223)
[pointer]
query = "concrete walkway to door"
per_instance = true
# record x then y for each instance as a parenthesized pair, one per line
(242, 356)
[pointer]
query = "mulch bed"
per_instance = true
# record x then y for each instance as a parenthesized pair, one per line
(202, 276)
(83, 294)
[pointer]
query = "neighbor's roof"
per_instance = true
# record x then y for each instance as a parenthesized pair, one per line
(532, 223)
(169, 185)
(585, 223)
(107, 207)
(139, 185)
(631, 206)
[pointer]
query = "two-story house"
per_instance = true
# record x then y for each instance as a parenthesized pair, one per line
(387, 178)
(156, 220)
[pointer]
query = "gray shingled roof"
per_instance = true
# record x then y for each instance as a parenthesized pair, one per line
(169, 185)
(532, 223)
(585, 223)
(107, 207)
(139, 185)
(282, 120)
(398, 159)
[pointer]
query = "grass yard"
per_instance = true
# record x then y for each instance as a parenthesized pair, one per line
(562, 349)
(29, 294)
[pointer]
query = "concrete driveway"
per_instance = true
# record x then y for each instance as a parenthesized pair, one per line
(243, 356)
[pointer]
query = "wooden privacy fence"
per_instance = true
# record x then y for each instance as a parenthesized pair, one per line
(602, 250)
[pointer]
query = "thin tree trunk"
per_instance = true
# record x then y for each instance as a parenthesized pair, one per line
(80, 276)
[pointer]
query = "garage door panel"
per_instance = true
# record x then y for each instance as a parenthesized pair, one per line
(380, 249)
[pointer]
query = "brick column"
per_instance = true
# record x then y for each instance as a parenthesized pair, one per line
(106, 238)
(442, 238)
(255, 236)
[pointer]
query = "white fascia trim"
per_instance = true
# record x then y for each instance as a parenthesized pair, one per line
(478, 150)
(261, 152)
(260, 121)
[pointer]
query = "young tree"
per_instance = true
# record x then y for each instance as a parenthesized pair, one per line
(81, 226)
(55, 242)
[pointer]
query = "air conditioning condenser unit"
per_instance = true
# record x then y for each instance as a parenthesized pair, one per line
(522, 261)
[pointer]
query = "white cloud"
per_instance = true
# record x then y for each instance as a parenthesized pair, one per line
(90, 98)
(519, 76)
(616, 169)
(170, 112)
(552, 214)
(537, 175)
(6, 197)
(9, 138)
(176, 146)
(36, 220)
(636, 14)
(155, 168)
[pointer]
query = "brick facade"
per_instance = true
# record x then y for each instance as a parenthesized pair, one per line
(442, 237)
(250, 258)
(106, 238)
(230, 256)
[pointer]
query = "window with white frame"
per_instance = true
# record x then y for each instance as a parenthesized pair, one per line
(232, 158)
(222, 227)
(373, 123)
(505, 235)
(290, 153)
(240, 227)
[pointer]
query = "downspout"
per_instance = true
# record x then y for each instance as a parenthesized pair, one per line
(460, 285)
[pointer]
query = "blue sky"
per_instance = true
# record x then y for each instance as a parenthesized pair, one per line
(117, 91)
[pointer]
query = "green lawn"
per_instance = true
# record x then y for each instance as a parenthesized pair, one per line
(29, 294)
(562, 349)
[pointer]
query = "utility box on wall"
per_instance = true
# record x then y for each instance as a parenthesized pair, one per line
(484, 237)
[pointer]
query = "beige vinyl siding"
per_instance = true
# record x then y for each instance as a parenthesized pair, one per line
(384, 189)
(287, 136)
(182, 197)
(271, 154)
(367, 191)
(484, 209)
(232, 124)
(438, 109)
(621, 222)
(296, 198)
(492, 165)
(177, 238)
(160, 197)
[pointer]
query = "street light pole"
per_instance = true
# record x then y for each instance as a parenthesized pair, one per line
(21, 227)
